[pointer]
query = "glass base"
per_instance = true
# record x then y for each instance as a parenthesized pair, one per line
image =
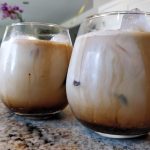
(40, 116)
(120, 136)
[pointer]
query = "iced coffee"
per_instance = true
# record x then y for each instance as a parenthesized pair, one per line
(108, 82)
(33, 75)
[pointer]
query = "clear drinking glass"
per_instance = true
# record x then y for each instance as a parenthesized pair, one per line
(34, 60)
(108, 81)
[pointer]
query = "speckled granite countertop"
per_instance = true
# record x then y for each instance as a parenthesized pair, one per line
(65, 133)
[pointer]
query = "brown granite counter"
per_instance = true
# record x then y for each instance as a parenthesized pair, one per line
(63, 133)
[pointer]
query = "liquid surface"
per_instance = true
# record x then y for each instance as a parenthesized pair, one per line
(108, 83)
(33, 74)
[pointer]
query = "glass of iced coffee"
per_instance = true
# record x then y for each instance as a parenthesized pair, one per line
(34, 60)
(108, 81)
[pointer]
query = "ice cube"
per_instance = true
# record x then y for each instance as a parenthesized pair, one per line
(135, 22)
(61, 38)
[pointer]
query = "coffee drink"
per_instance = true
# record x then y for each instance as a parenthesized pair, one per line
(108, 83)
(33, 74)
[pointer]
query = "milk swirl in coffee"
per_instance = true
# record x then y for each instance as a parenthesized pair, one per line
(33, 74)
(108, 83)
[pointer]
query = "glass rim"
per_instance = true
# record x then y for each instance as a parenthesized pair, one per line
(37, 23)
(111, 13)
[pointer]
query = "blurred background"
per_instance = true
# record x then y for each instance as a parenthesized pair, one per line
(69, 13)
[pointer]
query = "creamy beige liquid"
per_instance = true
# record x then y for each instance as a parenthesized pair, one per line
(108, 81)
(33, 74)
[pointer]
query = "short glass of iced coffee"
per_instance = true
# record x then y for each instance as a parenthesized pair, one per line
(34, 60)
(108, 81)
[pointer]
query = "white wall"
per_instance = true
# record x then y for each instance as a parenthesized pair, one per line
(97, 3)
(78, 19)
(120, 5)
(109, 5)
(141, 4)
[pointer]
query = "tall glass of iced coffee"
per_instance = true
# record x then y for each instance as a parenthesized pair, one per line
(108, 81)
(34, 60)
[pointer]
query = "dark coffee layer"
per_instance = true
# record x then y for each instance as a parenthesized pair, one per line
(115, 130)
(38, 110)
